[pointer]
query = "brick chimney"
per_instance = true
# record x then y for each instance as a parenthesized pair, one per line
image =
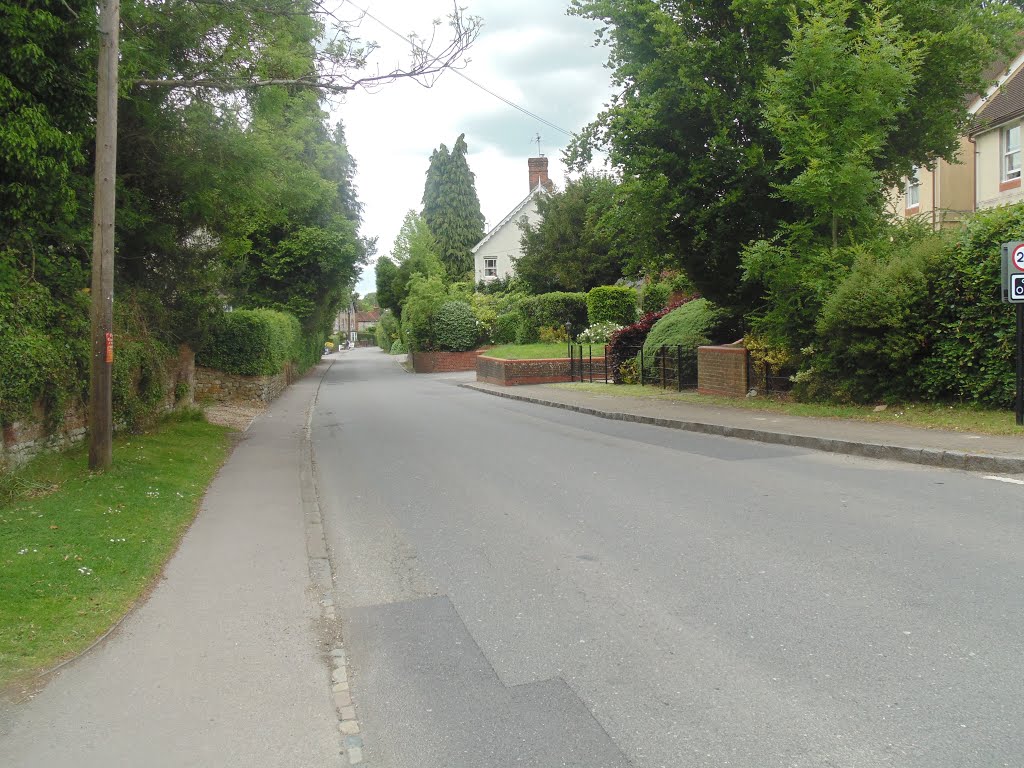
(539, 173)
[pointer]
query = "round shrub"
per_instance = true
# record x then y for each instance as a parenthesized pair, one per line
(692, 325)
(611, 304)
(598, 333)
(455, 327)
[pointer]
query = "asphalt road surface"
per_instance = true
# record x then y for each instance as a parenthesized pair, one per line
(523, 586)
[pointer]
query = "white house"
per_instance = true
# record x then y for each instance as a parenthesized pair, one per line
(492, 256)
(997, 140)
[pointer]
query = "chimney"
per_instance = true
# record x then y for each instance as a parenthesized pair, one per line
(539, 173)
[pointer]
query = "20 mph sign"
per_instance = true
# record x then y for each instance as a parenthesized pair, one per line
(1012, 269)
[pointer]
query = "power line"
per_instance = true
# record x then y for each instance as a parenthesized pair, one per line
(464, 76)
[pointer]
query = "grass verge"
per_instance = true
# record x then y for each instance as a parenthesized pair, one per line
(78, 549)
(537, 351)
(956, 418)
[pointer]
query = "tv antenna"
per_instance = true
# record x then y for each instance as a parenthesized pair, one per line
(537, 139)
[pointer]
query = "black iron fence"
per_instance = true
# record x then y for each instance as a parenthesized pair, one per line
(668, 367)
(768, 379)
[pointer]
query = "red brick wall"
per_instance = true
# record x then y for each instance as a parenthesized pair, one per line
(722, 371)
(444, 362)
(511, 372)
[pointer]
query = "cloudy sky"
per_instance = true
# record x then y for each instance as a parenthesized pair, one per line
(529, 52)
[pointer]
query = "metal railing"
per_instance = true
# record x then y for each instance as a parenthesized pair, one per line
(671, 367)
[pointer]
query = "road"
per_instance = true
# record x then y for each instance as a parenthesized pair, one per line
(522, 586)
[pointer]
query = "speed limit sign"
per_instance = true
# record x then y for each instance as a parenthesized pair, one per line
(1012, 268)
(1017, 257)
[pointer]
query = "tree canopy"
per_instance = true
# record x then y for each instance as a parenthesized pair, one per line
(571, 248)
(451, 208)
(688, 132)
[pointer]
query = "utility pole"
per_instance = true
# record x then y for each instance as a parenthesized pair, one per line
(101, 420)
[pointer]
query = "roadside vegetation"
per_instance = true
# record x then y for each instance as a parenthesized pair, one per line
(78, 549)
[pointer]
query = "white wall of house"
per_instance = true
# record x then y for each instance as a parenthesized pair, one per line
(992, 188)
(502, 245)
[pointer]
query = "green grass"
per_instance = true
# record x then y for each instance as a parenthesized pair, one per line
(957, 418)
(537, 351)
(78, 549)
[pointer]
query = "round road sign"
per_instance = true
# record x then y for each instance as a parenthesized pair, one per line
(1017, 257)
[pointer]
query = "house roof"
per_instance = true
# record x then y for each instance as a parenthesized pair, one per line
(1004, 102)
(510, 216)
(368, 317)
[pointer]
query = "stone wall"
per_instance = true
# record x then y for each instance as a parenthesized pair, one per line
(722, 371)
(444, 362)
(229, 387)
(493, 370)
(31, 436)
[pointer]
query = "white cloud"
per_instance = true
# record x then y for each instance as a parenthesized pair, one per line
(530, 52)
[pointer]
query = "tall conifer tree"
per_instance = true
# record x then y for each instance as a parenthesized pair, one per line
(451, 207)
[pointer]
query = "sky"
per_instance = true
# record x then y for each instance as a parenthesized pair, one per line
(529, 52)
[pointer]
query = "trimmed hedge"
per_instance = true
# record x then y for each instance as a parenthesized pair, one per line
(550, 310)
(655, 297)
(504, 328)
(611, 304)
(455, 327)
(256, 342)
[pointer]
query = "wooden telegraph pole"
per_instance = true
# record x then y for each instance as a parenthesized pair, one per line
(101, 421)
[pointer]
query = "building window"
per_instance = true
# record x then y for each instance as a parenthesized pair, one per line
(490, 267)
(914, 189)
(1011, 152)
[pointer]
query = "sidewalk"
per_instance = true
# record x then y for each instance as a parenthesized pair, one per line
(226, 663)
(953, 450)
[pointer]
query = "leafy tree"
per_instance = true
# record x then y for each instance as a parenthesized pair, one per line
(570, 249)
(687, 131)
(833, 104)
(387, 275)
(451, 208)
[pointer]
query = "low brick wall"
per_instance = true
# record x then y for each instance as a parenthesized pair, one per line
(444, 362)
(722, 371)
(229, 387)
(507, 373)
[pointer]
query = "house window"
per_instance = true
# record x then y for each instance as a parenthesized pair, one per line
(1011, 152)
(913, 189)
(490, 267)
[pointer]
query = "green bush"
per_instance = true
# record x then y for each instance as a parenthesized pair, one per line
(873, 329)
(455, 327)
(504, 329)
(426, 295)
(549, 310)
(598, 333)
(398, 348)
(258, 342)
(139, 376)
(971, 351)
(388, 331)
(655, 297)
(694, 324)
(612, 304)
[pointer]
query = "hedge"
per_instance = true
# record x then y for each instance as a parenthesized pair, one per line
(550, 310)
(257, 342)
(611, 304)
(624, 344)
(455, 327)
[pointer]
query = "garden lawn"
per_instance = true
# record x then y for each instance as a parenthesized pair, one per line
(78, 549)
(538, 351)
(956, 418)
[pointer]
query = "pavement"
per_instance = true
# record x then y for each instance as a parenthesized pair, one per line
(232, 659)
(893, 442)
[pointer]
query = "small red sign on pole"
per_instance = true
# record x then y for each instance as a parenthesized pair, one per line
(110, 347)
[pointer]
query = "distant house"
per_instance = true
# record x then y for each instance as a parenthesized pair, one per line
(493, 256)
(350, 321)
(996, 136)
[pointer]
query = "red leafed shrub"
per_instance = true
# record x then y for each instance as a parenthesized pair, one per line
(626, 343)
